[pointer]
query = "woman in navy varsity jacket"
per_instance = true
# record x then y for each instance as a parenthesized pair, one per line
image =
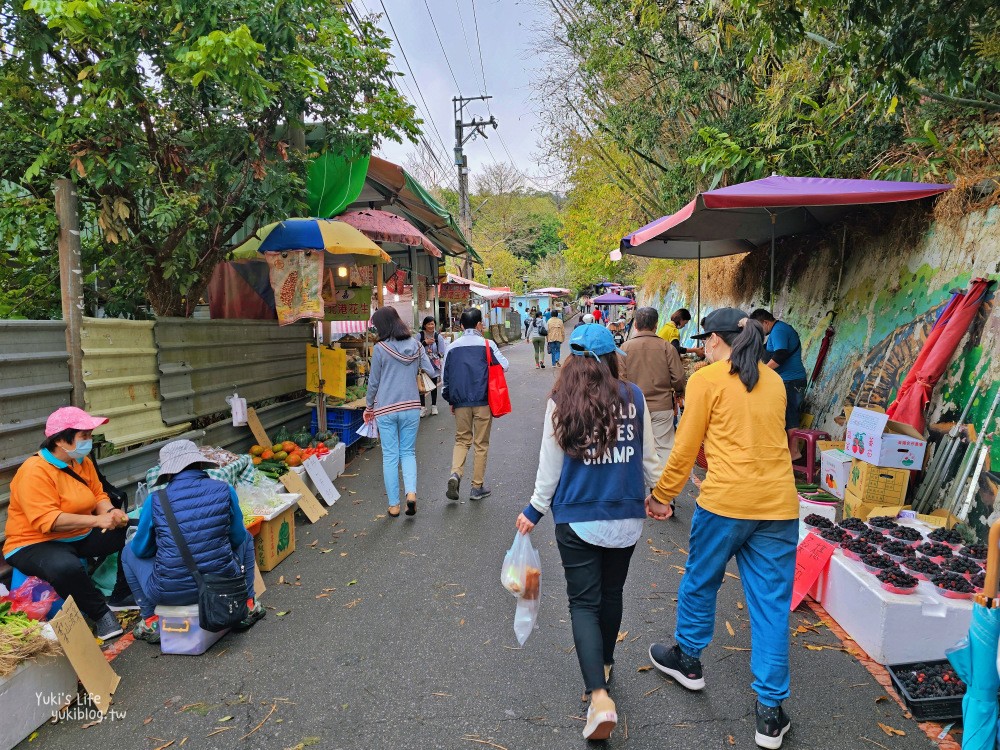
(596, 461)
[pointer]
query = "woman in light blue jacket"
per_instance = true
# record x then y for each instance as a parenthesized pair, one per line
(393, 401)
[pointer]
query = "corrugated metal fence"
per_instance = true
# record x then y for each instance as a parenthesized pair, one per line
(203, 362)
(151, 379)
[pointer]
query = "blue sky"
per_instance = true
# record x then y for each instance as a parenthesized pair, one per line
(507, 32)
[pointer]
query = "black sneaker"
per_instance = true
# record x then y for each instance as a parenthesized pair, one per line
(122, 603)
(772, 726)
(674, 662)
(479, 493)
(107, 626)
(673, 512)
(453, 482)
(253, 616)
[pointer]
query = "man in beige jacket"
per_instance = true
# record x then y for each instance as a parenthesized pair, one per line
(556, 337)
(655, 366)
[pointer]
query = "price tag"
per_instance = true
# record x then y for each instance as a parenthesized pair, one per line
(324, 485)
(811, 559)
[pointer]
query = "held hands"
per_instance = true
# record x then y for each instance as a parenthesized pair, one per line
(657, 510)
(523, 524)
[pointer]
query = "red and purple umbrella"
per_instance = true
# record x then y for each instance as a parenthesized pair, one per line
(382, 226)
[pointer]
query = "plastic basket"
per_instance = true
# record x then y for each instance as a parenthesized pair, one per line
(340, 417)
(348, 435)
(925, 709)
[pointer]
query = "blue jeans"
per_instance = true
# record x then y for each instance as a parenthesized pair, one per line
(138, 571)
(555, 351)
(398, 434)
(765, 555)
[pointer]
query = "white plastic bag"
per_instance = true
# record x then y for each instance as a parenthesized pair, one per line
(521, 576)
(368, 429)
(140, 494)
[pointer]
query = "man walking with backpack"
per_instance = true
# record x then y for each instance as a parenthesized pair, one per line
(465, 384)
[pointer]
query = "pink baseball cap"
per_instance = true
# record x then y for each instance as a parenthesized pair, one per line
(71, 418)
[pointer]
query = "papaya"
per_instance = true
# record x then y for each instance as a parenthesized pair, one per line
(256, 450)
(267, 454)
(280, 456)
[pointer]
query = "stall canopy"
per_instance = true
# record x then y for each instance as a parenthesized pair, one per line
(555, 291)
(480, 290)
(340, 240)
(391, 188)
(382, 226)
(739, 218)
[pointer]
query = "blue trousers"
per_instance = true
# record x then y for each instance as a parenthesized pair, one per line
(138, 571)
(555, 351)
(765, 555)
(398, 435)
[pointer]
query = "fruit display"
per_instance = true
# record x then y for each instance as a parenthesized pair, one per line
(855, 548)
(922, 568)
(946, 536)
(873, 536)
(975, 551)
(906, 533)
(817, 521)
(934, 550)
(953, 586)
(883, 522)
(931, 681)
(898, 548)
(979, 579)
(960, 565)
(853, 524)
(875, 562)
(277, 459)
(835, 535)
(897, 582)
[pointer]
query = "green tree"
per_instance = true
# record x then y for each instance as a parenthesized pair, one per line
(173, 116)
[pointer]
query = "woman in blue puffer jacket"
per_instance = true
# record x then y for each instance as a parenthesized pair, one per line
(211, 522)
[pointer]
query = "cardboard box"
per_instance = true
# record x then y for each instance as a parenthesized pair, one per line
(835, 470)
(830, 445)
(276, 540)
(877, 440)
(878, 484)
(859, 507)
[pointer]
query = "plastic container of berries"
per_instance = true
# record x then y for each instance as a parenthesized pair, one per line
(922, 568)
(853, 525)
(963, 566)
(907, 534)
(934, 551)
(875, 563)
(898, 550)
(854, 549)
(978, 581)
(926, 693)
(952, 586)
(883, 522)
(872, 536)
(817, 523)
(897, 582)
(949, 537)
(974, 552)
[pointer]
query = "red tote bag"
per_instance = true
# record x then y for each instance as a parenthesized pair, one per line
(496, 392)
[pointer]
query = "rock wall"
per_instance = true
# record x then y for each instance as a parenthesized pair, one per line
(888, 273)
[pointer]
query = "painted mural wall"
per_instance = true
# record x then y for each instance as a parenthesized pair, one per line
(888, 277)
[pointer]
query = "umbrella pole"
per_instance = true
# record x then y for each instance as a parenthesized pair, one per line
(321, 396)
(698, 321)
(774, 218)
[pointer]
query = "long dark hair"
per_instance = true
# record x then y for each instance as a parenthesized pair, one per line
(747, 347)
(389, 325)
(589, 401)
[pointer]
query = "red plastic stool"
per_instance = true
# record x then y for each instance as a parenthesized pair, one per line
(811, 466)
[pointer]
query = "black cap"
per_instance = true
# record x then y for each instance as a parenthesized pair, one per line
(723, 320)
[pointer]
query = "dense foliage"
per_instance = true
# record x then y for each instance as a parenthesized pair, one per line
(176, 120)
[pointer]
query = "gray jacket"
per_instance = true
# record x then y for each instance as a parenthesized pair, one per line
(392, 383)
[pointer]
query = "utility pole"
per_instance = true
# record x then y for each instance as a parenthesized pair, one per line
(71, 281)
(478, 127)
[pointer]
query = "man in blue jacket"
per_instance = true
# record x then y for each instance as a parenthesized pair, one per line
(464, 384)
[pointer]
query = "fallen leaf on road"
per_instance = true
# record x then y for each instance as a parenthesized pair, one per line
(459, 596)
(229, 718)
(811, 647)
(678, 568)
(881, 698)
(182, 742)
(731, 740)
(327, 591)
(644, 669)
(281, 580)
(739, 605)
(343, 554)
(352, 583)
(306, 741)
(314, 543)
(147, 720)
(891, 731)
(379, 517)
(735, 648)
(733, 575)
(622, 635)
(461, 622)
(732, 633)
(443, 695)
(322, 596)
(164, 747)
(352, 605)
(218, 731)
(90, 724)
(324, 551)
(279, 614)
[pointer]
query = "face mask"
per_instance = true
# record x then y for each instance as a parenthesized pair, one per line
(709, 355)
(80, 451)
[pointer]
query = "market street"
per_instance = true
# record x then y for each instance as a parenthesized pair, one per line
(397, 634)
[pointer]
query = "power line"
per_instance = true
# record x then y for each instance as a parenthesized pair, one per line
(482, 68)
(441, 43)
(468, 48)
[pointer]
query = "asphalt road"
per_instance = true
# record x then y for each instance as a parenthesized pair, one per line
(412, 645)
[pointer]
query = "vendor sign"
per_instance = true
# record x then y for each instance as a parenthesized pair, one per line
(334, 364)
(876, 439)
(455, 293)
(296, 278)
(353, 303)
(502, 302)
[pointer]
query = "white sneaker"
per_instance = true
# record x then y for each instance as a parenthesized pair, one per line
(601, 722)
(434, 411)
(423, 412)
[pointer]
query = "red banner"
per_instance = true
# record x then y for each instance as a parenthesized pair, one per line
(502, 302)
(457, 293)
(812, 557)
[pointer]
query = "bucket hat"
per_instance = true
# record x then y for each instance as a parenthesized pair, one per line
(177, 455)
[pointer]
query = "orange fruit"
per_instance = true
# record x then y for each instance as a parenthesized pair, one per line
(257, 460)
(256, 450)
(294, 460)
(280, 455)
(288, 446)
(268, 454)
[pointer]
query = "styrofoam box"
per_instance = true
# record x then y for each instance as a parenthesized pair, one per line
(22, 711)
(180, 632)
(891, 628)
(808, 507)
(333, 464)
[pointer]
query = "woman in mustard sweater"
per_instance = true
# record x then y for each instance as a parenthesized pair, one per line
(748, 509)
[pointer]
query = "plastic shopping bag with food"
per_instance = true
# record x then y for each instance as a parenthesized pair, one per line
(521, 576)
